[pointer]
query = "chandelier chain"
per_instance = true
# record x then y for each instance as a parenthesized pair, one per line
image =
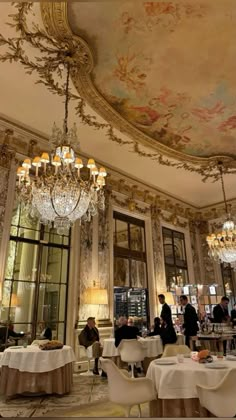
(223, 187)
(67, 98)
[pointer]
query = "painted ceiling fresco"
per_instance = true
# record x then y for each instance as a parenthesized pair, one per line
(168, 68)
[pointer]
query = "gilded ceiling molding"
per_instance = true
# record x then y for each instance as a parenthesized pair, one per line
(59, 42)
(22, 142)
(129, 204)
(56, 22)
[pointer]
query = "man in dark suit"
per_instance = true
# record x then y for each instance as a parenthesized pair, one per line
(89, 336)
(125, 332)
(221, 314)
(190, 319)
(220, 311)
(233, 315)
(165, 310)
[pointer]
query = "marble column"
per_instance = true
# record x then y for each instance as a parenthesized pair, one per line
(86, 267)
(104, 258)
(158, 254)
(7, 193)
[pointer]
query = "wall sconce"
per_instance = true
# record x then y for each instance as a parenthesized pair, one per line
(95, 296)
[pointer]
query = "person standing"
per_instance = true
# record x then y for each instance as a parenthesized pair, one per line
(220, 311)
(221, 315)
(89, 337)
(190, 325)
(165, 310)
(233, 315)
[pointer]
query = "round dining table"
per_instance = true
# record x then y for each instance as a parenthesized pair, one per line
(152, 347)
(175, 385)
(34, 371)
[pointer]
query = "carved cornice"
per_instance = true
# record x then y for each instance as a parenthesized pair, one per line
(56, 22)
(23, 142)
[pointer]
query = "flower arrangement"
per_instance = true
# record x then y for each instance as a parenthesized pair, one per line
(204, 356)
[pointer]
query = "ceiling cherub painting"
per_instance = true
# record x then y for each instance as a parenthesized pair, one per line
(168, 68)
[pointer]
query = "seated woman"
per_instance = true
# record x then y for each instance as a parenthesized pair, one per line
(168, 334)
(177, 325)
(45, 331)
(156, 328)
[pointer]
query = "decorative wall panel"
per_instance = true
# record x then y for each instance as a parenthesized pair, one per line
(158, 256)
(85, 276)
(104, 258)
(194, 239)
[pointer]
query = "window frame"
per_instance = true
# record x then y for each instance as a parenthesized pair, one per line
(175, 266)
(128, 253)
(41, 243)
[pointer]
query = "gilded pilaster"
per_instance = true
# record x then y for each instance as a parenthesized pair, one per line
(158, 257)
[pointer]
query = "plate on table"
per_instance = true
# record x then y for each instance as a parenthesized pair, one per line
(216, 365)
(16, 347)
(231, 357)
(165, 362)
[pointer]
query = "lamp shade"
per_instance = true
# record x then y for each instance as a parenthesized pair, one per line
(14, 300)
(95, 296)
(169, 298)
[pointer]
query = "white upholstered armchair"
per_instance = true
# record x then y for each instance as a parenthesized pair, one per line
(127, 391)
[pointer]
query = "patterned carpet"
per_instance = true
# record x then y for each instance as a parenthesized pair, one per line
(86, 391)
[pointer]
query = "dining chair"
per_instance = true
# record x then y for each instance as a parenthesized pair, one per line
(131, 352)
(86, 354)
(127, 391)
(220, 400)
(175, 349)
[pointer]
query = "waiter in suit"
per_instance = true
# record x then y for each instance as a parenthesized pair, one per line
(220, 311)
(221, 315)
(190, 319)
(233, 315)
(165, 311)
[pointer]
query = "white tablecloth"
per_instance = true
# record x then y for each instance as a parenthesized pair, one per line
(152, 346)
(32, 359)
(179, 381)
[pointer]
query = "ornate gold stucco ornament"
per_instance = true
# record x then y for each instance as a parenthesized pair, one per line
(52, 44)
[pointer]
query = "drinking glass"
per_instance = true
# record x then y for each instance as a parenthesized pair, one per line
(220, 356)
(180, 358)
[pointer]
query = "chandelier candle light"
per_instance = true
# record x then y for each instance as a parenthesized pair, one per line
(222, 245)
(59, 191)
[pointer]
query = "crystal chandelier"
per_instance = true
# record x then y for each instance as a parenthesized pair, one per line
(59, 191)
(222, 245)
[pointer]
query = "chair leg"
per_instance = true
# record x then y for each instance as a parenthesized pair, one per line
(139, 410)
(88, 365)
(127, 411)
(132, 370)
